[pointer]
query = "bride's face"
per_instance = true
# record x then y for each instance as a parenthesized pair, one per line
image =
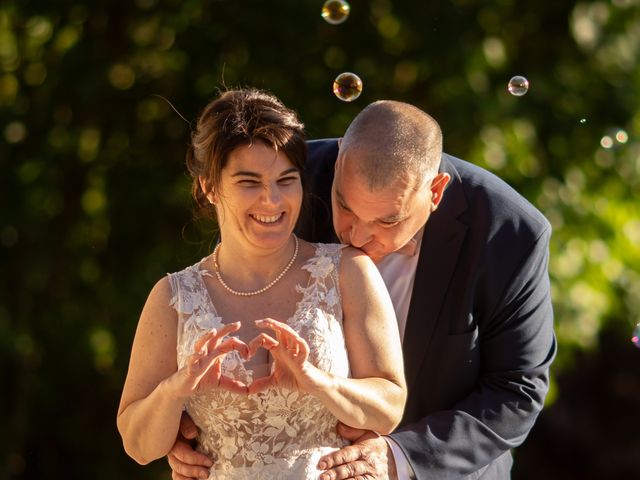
(259, 199)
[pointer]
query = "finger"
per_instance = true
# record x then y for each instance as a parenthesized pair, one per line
(263, 340)
(199, 364)
(261, 384)
(220, 334)
(199, 346)
(280, 327)
(183, 459)
(188, 428)
(293, 342)
(288, 344)
(351, 471)
(303, 348)
(195, 363)
(341, 457)
(350, 433)
(296, 346)
(212, 371)
(207, 372)
(293, 349)
(234, 343)
(180, 470)
(274, 325)
(213, 377)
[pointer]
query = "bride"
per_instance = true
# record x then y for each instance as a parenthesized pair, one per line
(269, 341)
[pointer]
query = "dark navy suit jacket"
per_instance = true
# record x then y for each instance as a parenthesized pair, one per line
(479, 336)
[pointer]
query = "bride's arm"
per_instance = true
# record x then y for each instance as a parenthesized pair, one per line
(155, 390)
(149, 412)
(374, 398)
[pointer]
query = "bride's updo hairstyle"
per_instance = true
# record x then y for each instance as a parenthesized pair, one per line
(237, 118)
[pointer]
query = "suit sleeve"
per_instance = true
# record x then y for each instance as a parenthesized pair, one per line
(517, 347)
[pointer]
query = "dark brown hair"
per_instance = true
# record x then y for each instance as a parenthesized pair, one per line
(237, 118)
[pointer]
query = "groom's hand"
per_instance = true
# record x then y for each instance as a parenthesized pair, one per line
(350, 433)
(370, 458)
(185, 462)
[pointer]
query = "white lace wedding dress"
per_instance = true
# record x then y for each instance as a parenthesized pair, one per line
(278, 433)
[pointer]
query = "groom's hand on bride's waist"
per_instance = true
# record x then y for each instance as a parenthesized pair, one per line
(369, 457)
(186, 463)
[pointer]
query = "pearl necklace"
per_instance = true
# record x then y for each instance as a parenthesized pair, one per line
(256, 292)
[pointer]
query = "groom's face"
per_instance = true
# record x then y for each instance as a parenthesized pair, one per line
(383, 220)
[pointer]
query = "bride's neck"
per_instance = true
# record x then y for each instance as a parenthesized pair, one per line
(252, 268)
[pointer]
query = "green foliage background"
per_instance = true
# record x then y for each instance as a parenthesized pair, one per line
(95, 204)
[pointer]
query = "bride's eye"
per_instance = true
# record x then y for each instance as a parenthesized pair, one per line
(287, 180)
(248, 183)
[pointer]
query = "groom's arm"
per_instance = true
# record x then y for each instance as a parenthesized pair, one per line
(518, 346)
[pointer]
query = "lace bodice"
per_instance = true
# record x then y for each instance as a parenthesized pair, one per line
(277, 433)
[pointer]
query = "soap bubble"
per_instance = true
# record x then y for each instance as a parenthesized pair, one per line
(347, 86)
(335, 11)
(613, 138)
(621, 136)
(518, 86)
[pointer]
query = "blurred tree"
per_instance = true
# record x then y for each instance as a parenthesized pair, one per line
(95, 206)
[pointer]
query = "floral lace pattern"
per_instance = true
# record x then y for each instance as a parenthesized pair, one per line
(277, 433)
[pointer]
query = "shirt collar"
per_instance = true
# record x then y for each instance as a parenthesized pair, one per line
(412, 246)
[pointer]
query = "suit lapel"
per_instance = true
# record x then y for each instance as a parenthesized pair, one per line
(442, 239)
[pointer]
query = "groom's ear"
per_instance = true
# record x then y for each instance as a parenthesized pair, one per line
(438, 185)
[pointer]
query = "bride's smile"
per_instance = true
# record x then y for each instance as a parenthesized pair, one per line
(259, 201)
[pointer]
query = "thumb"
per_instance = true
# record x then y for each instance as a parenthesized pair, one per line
(188, 428)
(350, 433)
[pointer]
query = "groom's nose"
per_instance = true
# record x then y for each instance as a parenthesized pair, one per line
(360, 234)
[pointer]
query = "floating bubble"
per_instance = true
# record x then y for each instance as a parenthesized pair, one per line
(636, 336)
(622, 136)
(606, 142)
(347, 86)
(335, 11)
(613, 138)
(518, 86)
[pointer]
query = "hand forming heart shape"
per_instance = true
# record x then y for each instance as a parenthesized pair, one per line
(289, 351)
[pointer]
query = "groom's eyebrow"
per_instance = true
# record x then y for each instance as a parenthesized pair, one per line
(342, 201)
(391, 218)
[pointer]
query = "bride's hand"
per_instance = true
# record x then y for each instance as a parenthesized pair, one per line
(290, 353)
(203, 369)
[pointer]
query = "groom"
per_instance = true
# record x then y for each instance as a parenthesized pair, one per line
(465, 260)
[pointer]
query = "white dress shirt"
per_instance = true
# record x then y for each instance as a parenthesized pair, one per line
(399, 272)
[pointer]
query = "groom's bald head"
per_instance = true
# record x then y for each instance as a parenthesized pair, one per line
(390, 138)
